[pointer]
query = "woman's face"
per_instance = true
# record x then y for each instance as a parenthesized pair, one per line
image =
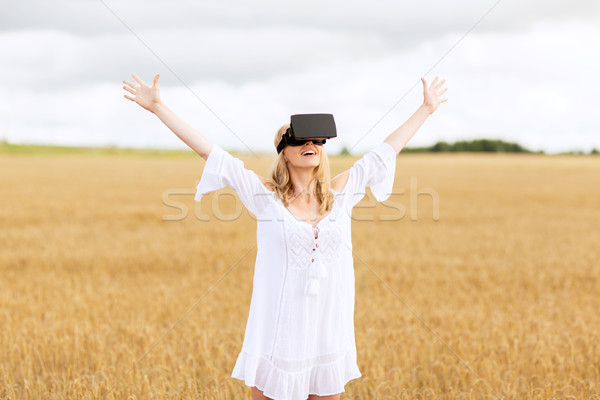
(307, 155)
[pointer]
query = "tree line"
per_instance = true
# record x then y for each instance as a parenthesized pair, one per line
(477, 145)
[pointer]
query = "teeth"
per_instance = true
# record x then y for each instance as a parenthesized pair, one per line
(308, 152)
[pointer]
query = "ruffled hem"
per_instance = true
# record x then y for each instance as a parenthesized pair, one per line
(278, 384)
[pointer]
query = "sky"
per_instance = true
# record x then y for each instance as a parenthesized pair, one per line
(520, 71)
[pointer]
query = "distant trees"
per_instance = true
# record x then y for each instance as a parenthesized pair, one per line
(345, 151)
(477, 145)
(484, 145)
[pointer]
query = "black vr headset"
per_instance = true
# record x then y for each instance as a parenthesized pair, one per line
(304, 127)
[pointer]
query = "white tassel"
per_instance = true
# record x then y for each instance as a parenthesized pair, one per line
(313, 270)
(317, 270)
(321, 269)
(312, 287)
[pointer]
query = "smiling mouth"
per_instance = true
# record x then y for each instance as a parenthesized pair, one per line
(309, 153)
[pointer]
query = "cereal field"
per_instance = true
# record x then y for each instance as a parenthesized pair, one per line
(115, 284)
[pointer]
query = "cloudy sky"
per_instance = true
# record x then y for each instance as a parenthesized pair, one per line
(523, 71)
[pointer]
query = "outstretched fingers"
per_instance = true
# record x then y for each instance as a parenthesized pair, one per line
(138, 79)
(435, 89)
(130, 90)
(128, 97)
(133, 85)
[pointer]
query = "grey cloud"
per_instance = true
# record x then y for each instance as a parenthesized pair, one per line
(250, 59)
(386, 17)
(52, 60)
(76, 42)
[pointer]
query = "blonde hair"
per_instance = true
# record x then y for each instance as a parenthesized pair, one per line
(281, 183)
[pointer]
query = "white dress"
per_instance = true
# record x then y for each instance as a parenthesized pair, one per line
(299, 337)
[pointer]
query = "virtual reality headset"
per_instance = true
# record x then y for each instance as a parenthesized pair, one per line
(303, 127)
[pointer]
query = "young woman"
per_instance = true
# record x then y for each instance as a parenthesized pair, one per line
(299, 342)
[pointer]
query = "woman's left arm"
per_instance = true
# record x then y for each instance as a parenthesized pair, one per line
(431, 101)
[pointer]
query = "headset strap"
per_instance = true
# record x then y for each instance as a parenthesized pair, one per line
(283, 141)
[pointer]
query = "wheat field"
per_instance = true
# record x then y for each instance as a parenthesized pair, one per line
(115, 284)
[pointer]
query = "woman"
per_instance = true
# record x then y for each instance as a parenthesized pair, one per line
(299, 341)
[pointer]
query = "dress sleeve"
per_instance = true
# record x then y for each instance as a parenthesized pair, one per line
(222, 169)
(376, 169)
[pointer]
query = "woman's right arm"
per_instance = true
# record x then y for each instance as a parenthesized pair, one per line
(185, 132)
(148, 97)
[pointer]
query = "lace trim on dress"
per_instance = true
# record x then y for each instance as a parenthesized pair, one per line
(316, 254)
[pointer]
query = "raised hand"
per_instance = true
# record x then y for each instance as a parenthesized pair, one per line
(146, 96)
(432, 94)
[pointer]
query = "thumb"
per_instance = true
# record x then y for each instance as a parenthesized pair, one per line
(424, 82)
(156, 80)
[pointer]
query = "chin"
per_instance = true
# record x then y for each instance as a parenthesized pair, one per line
(314, 161)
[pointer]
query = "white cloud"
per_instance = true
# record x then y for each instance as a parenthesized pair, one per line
(50, 59)
(531, 86)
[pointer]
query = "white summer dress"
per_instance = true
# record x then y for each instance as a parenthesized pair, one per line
(299, 337)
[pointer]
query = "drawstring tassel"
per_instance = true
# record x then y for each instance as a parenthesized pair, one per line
(316, 271)
(313, 270)
(312, 287)
(322, 271)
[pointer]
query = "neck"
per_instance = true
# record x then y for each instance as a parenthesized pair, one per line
(300, 178)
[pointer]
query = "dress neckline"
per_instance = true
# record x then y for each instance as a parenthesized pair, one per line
(308, 223)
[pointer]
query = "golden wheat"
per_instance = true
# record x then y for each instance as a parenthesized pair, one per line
(106, 292)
